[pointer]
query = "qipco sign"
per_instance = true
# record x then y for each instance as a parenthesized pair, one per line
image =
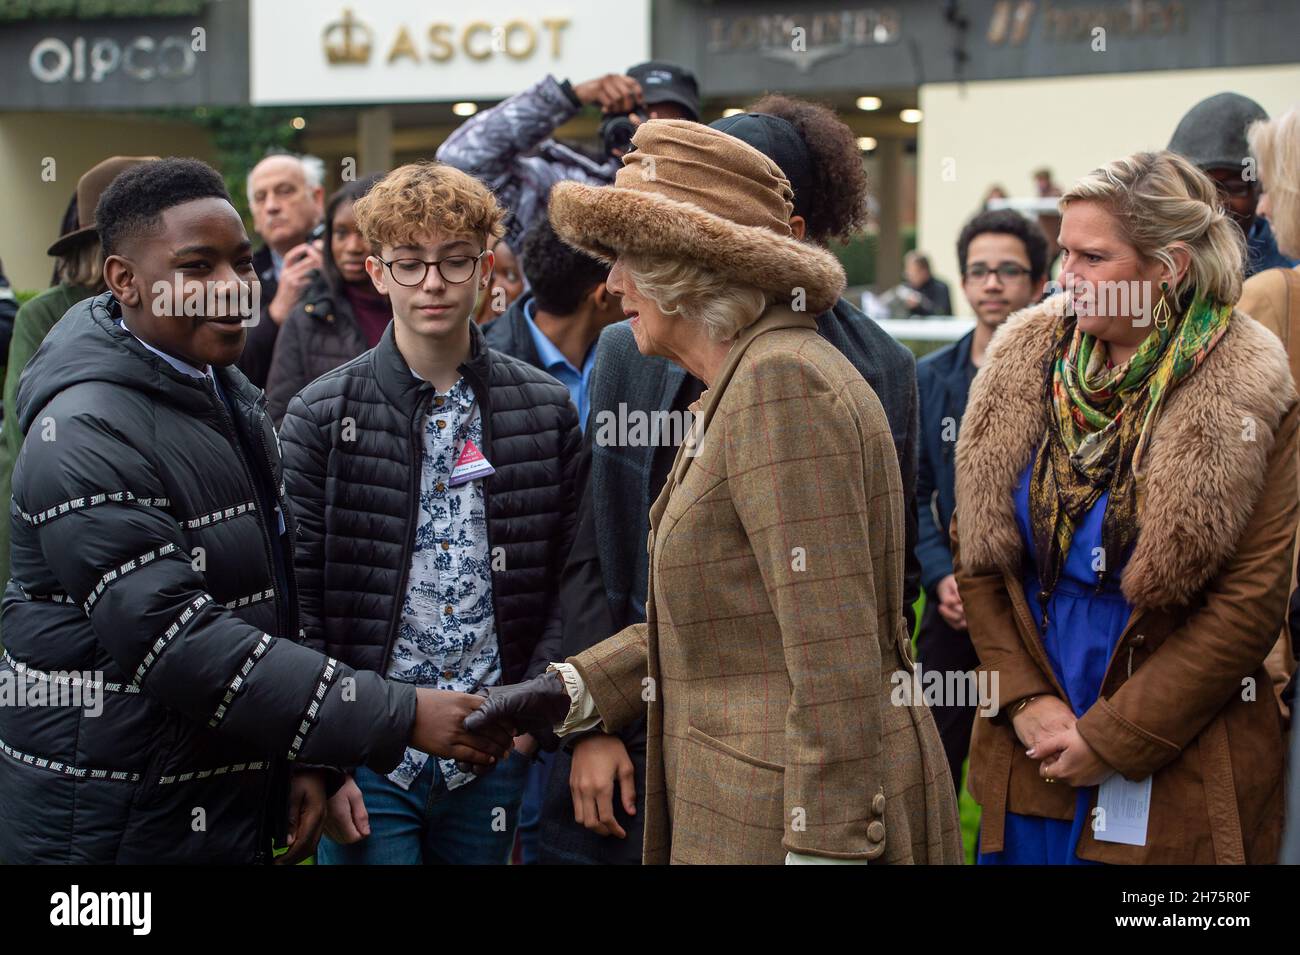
(126, 63)
(142, 58)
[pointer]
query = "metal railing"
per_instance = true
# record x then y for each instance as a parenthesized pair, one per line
(934, 329)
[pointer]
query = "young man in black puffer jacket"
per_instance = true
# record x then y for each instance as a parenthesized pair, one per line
(433, 479)
(158, 693)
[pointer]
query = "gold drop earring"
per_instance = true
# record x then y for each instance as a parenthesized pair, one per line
(1162, 313)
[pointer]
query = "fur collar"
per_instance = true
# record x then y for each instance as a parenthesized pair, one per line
(1205, 465)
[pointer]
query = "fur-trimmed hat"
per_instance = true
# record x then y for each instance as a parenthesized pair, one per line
(689, 192)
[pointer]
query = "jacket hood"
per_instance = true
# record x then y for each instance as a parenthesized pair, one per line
(1205, 468)
(87, 344)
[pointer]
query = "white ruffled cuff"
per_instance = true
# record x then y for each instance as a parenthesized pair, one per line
(582, 713)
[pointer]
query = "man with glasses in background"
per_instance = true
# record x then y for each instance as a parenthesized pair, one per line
(1213, 136)
(1003, 260)
(432, 481)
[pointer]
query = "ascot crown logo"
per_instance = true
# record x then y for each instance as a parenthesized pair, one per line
(348, 51)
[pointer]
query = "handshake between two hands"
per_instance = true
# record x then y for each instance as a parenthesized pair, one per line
(475, 729)
(479, 729)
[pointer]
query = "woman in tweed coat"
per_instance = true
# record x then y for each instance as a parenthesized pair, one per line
(774, 633)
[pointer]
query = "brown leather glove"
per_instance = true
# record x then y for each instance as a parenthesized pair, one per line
(533, 706)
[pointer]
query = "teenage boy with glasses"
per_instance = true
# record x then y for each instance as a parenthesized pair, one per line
(433, 480)
(1003, 259)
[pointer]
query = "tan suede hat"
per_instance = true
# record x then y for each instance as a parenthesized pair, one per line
(687, 191)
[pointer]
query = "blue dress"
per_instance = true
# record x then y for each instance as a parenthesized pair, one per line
(1083, 627)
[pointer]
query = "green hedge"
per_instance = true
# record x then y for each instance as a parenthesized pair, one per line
(241, 135)
(859, 256)
(97, 9)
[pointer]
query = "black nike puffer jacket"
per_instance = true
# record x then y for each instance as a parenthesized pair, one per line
(353, 441)
(143, 561)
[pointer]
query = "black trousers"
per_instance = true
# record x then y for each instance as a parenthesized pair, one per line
(940, 648)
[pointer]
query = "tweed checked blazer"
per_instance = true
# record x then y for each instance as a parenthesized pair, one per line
(774, 625)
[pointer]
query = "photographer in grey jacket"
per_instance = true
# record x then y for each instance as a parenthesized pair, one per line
(511, 149)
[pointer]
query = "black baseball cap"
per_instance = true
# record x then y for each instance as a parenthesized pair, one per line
(779, 141)
(663, 82)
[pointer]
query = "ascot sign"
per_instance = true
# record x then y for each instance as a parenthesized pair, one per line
(304, 51)
(349, 40)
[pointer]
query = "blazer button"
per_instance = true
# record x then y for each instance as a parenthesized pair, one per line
(878, 804)
(876, 831)
(309, 309)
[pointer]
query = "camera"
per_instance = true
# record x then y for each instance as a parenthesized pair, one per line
(617, 129)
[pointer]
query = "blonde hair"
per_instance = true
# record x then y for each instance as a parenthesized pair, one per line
(423, 198)
(1275, 143)
(682, 288)
(1162, 201)
(83, 265)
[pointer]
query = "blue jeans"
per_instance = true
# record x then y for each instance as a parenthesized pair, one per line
(530, 811)
(473, 824)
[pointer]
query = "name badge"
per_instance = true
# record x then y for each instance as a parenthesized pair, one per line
(470, 466)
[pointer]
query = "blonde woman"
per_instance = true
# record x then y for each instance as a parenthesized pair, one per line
(1126, 496)
(774, 631)
(1272, 297)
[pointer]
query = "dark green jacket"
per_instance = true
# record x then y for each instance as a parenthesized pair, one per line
(32, 323)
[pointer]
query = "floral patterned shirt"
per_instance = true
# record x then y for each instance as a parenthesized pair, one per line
(447, 637)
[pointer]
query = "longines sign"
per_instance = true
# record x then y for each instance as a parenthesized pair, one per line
(311, 51)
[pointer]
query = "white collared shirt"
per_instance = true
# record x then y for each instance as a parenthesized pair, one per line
(185, 368)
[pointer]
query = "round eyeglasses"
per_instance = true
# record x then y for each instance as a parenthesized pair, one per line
(1006, 272)
(455, 269)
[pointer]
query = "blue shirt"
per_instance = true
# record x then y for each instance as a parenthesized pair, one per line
(555, 364)
(1262, 251)
(1084, 624)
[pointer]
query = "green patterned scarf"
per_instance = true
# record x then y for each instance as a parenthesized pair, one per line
(1100, 421)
